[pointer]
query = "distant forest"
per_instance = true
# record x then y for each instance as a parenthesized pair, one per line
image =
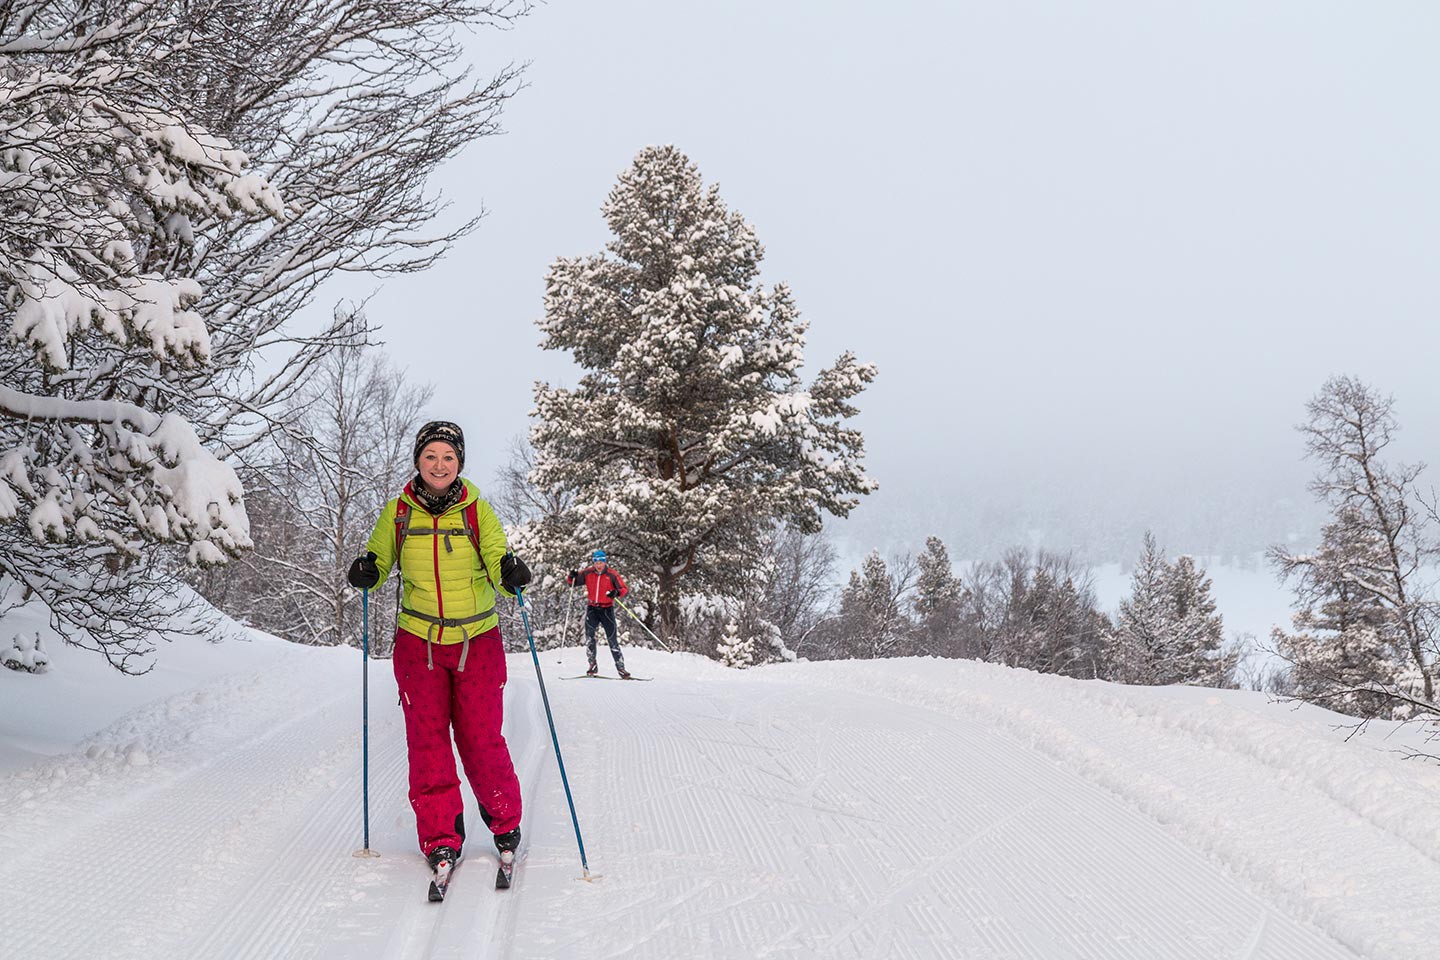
(1234, 523)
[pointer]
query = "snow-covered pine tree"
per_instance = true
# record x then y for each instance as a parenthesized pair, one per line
(1168, 631)
(691, 433)
(1370, 573)
(872, 621)
(1340, 649)
(1137, 645)
(1199, 656)
(734, 649)
(938, 602)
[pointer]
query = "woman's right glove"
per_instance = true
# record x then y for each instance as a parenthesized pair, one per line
(363, 573)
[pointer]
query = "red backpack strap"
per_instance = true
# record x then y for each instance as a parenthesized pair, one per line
(402, 525)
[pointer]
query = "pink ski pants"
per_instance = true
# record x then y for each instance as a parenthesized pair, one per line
(472, 703)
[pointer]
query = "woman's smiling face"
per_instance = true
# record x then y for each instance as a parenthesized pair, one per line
(439, 466)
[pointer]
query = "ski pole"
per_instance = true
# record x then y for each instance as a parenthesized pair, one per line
(550, 719)
(365, 717)
(565, 627)
(642, 625)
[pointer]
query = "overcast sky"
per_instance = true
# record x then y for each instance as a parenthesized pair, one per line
(1101, 252)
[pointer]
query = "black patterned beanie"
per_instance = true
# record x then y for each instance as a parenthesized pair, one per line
(445, 431)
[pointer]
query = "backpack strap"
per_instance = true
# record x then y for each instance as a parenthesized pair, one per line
(470, 517)
(402, 526)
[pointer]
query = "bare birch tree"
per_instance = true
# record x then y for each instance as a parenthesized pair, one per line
(1364, 637)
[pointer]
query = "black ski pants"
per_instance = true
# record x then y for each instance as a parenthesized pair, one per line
(597, 616)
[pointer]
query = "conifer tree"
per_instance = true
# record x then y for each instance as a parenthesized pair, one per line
(872, 621)
(690, 434)
(736, 650)
(939, 599)
(1199, 656)
(1167, 631)
(1341, 646)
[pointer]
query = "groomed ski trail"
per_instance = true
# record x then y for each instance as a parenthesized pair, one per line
(794, 823)
(897, 809)
(234, 835)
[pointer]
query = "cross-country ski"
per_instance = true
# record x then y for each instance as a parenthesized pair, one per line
(505, 873)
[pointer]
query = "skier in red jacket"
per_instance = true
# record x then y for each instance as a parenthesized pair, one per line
(602, 585)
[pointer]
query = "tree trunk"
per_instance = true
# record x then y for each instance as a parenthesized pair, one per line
(668, 603)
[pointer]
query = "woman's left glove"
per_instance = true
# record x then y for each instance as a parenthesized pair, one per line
(363, 573)
(513, 572)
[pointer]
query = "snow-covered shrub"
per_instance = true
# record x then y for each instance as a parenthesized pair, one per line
(735, 650)
(25, 652)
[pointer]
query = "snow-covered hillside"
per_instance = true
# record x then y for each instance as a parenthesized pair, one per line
(903, 808)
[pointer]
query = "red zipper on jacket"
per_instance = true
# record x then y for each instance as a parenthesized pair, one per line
(439, 596)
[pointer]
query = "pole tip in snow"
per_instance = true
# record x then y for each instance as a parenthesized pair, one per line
(366, 852)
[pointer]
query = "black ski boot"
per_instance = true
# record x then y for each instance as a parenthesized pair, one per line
(442, 861)
(507, 844)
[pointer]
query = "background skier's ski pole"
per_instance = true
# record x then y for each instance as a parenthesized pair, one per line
(550, 719)
(365, 717)
(642, 625)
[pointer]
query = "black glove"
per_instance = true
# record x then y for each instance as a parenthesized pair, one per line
(363, 573)
(612, 593)
(513, 572)
(574, 575)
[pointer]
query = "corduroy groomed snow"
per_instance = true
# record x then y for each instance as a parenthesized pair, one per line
(441, 430)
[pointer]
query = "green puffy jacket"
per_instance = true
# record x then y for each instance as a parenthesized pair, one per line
(442, 576)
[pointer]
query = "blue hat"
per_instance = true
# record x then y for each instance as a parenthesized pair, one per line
(598, 555)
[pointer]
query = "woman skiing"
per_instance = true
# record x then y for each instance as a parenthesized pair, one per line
(449, 660)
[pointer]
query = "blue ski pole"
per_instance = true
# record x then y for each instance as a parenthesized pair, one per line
(365, 717)
(549, 718)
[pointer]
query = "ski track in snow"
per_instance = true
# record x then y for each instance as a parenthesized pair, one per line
(904, 809)
(809, 831)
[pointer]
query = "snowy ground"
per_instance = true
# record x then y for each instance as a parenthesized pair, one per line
(911, 808)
